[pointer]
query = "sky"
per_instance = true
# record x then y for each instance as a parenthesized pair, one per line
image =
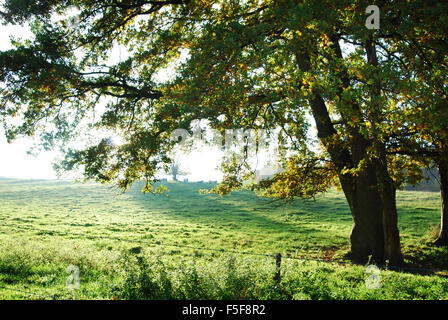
(14, 160)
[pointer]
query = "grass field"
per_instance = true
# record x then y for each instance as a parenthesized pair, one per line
(136, 246)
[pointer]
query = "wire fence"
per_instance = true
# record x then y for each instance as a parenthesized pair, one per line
(30, 293)
(278, 257)
(20, 291)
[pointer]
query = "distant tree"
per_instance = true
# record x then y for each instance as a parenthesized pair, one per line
(175, 169)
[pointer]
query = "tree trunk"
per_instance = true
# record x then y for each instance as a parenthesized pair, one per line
(387, 192)
(367, 234)
(366, 237)
(442, 239)
(392, 245)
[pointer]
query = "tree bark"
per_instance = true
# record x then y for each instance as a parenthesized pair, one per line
(367, 234)
(387, 190)
(442, 239)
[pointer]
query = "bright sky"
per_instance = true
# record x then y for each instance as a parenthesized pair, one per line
(14, 160)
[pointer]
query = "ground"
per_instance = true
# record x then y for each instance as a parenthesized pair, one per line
(186, 245)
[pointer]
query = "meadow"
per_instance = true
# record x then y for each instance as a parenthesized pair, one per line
(186, 245)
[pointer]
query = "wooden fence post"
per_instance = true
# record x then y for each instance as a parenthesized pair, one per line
(278, 263)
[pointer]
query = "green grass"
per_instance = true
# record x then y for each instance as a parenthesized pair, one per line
(136, 246)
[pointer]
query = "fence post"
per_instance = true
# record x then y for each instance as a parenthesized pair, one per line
(278, 263)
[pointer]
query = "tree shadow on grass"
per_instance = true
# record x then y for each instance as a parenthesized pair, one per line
(241, 211)
(427, 256)
(425, 260)
(15, 272)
